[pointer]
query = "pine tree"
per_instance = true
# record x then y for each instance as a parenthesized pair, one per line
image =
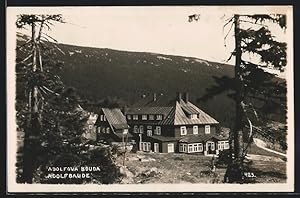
(50, 114)
(30, 71)
(255, 91)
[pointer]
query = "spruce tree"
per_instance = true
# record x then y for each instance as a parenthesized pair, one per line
(255, 92)
(34, 76)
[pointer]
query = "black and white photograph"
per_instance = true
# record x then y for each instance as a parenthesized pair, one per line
(150, 99)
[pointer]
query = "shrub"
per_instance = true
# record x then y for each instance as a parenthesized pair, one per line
(223, 158)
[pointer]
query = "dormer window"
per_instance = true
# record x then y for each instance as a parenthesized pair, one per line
(128, 117)
(193, 116)
(151, 117)
(144, 117)
(135, 117)
(158, 117)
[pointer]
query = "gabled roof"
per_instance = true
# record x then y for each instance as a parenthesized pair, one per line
(92, 118)
(115, 118)
(177, 116)
(148, 101)
(149, 110)
(176, 112)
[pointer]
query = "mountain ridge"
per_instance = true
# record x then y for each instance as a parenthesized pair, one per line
(99, 73)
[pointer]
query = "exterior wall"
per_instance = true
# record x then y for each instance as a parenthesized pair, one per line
(164, 147)
(90, 133)
(168, 131)
(189, 128)
(205, 149)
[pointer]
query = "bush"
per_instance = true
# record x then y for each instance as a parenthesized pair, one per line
(107, 172)
(223, 158)
(110, 172)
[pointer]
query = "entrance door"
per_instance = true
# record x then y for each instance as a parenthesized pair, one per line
(156, 148)
(210, 147)
(170, 148)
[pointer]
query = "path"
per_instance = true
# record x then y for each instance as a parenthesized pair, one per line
(261, 144)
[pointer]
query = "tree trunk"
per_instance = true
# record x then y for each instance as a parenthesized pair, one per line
(234, 172)
(32, 130)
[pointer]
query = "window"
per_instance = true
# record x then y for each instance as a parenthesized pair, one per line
(157, 130)
(144, 117)
(149, 132)
(125, 131)
(135, 117)
(183, 130)
(128, 117)
(101, 117)
(104, 118)
(151, 117)
(90, 126)
(99, 129)
(141, 129)
(221, 145)
(107, 130)
(145, 146)
(195, 146)
(226, 145)
(149, 127)
(170, 148)
(135, 129)
(156, 147)
(195, 129)
(211, 145)
(207, 129)
(193, 116)
(182, 148)
(158, 117)
(200, 147)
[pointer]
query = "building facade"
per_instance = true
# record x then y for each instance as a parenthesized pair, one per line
(180, 127)
(111, 126)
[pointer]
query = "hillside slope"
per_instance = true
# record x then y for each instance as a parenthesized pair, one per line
(98, 73)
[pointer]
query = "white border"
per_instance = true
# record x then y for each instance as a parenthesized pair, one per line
(12, 186)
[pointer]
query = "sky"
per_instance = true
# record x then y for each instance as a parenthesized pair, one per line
(158, 29)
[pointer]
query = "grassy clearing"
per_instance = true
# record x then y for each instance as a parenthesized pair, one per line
(193, 168)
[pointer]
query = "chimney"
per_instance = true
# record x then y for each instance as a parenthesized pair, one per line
(186, 96)
(179, 96)
(154, 97)
(125, 109)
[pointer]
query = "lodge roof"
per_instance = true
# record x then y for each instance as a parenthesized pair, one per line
(175, 112)
(178, 115)
(115, 118)
(149, 110)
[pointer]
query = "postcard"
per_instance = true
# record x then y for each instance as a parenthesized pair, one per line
(150, 99)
